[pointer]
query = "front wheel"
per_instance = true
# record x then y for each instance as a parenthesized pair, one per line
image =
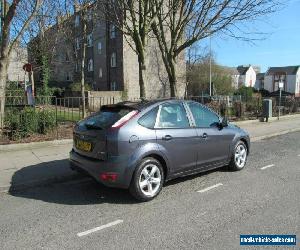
(239, 157)
(147, 180)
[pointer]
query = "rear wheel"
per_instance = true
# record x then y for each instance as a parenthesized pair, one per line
(147, 180)
(239, 156)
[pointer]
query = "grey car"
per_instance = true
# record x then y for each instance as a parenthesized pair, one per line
(140, 145)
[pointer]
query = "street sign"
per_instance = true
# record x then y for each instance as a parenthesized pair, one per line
(281, 84)
(27, 67)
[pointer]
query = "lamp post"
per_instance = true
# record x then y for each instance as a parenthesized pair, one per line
(210, 90)
(280, 85)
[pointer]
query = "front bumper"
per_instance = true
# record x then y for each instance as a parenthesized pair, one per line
(97, 167)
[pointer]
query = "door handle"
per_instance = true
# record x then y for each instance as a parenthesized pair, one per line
(204, 136)
(167, 138)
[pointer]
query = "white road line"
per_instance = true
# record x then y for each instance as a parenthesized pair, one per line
(209, 188)
(99, 228)
(268, 166)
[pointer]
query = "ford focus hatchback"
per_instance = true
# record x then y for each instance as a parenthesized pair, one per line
(140, 145)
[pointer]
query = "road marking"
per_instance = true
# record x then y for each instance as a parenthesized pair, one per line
(99, 228)
(268, 166)
(209, 188)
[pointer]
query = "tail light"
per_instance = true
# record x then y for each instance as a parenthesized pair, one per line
(125, 119)
(109, 177)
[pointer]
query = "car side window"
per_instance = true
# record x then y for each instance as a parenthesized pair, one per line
(204, 118)
(173, 115)
(148, 120)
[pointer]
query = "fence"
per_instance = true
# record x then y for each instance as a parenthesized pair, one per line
(50, 117)
(54, 118)
(233, 107)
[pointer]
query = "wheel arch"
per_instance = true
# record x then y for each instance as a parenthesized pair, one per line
(162, 161)
(246, 143)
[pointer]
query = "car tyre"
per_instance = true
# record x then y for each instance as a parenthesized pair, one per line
(147, 180)
(239, 156)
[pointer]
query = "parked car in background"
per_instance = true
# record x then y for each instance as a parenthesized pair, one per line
(141, 145)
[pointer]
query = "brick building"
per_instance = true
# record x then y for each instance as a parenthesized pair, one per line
(111, 64)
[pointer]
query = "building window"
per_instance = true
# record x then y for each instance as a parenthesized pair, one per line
(67, 57)
(99, 47)
(113, 60)
(90, 65)
(90, 40)
(68, 76)
(100, 73)
(112, 30)
(77, 43)
(279, 77)
(113, 86)
(77, 20)
(77, 66)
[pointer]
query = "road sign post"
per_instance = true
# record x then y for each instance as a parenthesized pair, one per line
(280, 85)
(29, 69)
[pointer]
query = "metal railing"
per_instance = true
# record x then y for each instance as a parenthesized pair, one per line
(66, 111)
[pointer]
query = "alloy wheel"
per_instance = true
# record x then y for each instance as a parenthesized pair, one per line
(150, 180)
(240, 155)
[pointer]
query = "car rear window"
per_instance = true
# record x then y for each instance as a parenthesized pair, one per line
(104, 118)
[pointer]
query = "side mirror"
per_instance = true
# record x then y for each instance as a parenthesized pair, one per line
(224, 123)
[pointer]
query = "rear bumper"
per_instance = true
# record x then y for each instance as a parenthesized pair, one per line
(96, 167)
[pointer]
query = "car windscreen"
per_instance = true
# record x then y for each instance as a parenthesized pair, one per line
(104, 118)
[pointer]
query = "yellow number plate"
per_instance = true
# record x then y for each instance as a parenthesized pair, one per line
(83, 145)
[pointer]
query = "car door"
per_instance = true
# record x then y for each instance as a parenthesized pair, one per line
(213, 146)
(175, 136)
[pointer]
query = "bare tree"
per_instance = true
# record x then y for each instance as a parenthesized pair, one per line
(84, 11)
(199, 77)
(83, 19)
(41, 45)
(195, 54)
(134, 19)
(181, 23)
(60, 27)
(16, 16)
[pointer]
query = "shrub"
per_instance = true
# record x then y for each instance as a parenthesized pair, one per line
(77, 87)
(14, 89)
(46, 121)
(238, 109)
(245, 92)
(28, 121)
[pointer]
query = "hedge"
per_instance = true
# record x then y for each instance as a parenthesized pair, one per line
(28, 121)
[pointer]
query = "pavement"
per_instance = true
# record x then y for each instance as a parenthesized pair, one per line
(262, 130)
(27, 165)
(82, 214)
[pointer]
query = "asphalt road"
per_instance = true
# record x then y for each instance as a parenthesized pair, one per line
(252, 201)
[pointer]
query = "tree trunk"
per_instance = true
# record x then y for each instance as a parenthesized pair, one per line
(2, 105)
(142, 71)
(3, 76)
(172, 78)
(83, 70)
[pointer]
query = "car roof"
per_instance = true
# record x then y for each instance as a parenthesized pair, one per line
(138, 105)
